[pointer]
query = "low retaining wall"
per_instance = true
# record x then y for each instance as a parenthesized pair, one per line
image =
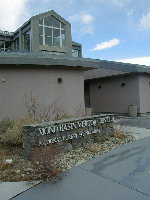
(70, 133)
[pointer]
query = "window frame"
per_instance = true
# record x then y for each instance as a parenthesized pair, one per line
(61, 43)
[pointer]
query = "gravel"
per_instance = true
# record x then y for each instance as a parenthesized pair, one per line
(78, 156)
(21, 169)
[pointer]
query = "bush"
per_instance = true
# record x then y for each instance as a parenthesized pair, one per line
(52, 112)
(46, 163)
(5, 124)
(12, 135)
(121, 131)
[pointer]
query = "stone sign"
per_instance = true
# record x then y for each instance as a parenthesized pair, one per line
(71, 133)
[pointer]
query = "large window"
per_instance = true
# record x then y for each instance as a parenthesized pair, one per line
(16, 44)
(26, 40)
(51, 32)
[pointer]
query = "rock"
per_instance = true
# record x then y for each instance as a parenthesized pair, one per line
(67, 147)
(6, 163)
(9, 161)
(28, 169)
(23, 175)
(18, 171)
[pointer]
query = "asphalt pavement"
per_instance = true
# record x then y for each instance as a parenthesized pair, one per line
(120, 174)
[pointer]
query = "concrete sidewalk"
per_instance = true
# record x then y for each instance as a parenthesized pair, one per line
(139, 127)
(11, 189)
(120, 174)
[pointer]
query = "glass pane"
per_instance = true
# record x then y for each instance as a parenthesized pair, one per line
(56, 23)
(48, 32)
(28, 32)
(1, 44)
(41, 40)
(75, 53)
(48, 21)
(16, 44)
(63, 25)
(26, 37)
(63, 38)
(56, 42)
(63, 34)
(8, 46)
(40, 30)
(63, 43)
(41, 21)
(48, 41)
(56, 32)
(56, 35)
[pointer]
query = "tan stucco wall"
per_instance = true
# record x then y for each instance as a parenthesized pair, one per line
(144, 83)
(43, 84)
(112, 97)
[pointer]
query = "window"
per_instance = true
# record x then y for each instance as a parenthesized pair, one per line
(16, 44)
(2, 46)
(54, 53)
(75, 53)
(5, 46)
(51, 32)
(26, 40)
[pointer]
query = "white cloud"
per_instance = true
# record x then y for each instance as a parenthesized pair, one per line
(84, 18)
(83, 21)
(13, 13)
(87, 19)
(118, 3)
(145, 21)
(106, 44)
(137, 60)
(89, 29)
(130, 12)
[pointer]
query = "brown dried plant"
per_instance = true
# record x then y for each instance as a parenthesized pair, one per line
(121, 131)
(40, 113)
(46, 163)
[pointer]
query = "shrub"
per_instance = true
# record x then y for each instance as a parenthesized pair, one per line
(121, 131)
(5, 124)
(46, 163)
(13, 134)
(52, 112)
(40, 112)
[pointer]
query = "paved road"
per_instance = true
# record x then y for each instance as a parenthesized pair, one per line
(121, 174)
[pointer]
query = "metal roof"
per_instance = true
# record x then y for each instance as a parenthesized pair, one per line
(39, 58)
(43, 59)
(125, 67)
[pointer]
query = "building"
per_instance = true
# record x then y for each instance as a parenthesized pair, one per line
(40, 61)
(115, 86)
(40, 58)
(47, 32)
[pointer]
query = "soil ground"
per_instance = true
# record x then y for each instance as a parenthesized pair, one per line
(21, 169)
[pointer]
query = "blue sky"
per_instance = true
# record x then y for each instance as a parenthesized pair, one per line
(107, 29)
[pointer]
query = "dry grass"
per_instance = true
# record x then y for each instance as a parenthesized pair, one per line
(121, 131)
(13, 134)
(46, 163)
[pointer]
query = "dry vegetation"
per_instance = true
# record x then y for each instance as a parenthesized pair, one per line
(45, 162)
(13, 167)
